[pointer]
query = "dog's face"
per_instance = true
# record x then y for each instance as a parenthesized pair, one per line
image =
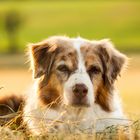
(75, 71)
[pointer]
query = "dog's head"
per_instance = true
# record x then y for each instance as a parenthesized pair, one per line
(75, 71)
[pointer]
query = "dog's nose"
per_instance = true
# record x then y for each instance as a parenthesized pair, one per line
(80, 90)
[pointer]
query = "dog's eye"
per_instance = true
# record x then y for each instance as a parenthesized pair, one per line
(94, 70)
(63, 68)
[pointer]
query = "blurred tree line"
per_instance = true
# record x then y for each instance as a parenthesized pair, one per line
(12, 22)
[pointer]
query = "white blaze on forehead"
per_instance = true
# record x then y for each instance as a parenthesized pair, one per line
(77, 45)
(78, 77)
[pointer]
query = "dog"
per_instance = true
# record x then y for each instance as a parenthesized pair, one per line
(73, 85)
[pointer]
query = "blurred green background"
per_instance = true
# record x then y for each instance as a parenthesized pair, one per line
(31, 21)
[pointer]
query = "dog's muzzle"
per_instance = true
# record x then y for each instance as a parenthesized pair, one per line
(78, 90)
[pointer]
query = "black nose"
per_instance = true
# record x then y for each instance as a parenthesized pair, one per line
(80, 90)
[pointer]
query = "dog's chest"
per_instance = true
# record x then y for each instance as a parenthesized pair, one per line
(71, 119)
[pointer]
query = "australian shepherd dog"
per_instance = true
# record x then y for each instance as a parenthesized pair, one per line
(73, 85)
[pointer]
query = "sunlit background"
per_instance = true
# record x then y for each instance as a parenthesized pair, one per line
(27, 21)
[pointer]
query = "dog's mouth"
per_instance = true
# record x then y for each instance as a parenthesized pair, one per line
(80, 103)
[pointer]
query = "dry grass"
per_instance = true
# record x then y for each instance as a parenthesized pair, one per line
(11, 130)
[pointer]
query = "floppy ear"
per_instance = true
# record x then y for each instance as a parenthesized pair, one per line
(113, 61)
(42, 57)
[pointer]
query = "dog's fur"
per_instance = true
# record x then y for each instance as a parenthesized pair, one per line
(74, 85)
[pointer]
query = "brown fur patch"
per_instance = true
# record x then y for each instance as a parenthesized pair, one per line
(10, 104)
(42, 58)
(50, 93)
(112, 61)
(103, 98)
(95, 57)
(69, 55)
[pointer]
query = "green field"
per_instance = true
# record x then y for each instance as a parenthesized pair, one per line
(118, 20)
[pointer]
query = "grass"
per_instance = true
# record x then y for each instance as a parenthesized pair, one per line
(118, 20)
(12, 130)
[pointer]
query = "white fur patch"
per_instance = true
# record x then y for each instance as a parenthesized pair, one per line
(80, 76)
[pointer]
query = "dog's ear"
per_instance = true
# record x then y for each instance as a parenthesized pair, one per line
(113, 61)
(42, 56)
